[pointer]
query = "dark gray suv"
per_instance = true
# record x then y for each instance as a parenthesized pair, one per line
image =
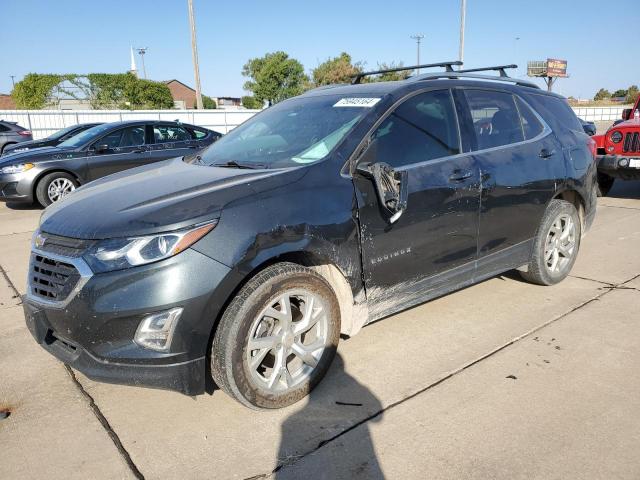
(50, 173)
(12, 133)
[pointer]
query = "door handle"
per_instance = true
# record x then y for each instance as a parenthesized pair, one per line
(459, 176)
(546, 153)
(193, 146)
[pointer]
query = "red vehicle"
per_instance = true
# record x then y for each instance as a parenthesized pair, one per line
(619, 150)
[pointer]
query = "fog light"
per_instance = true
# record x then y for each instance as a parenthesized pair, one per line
(623, 162)
(156, 331)
(611, 148)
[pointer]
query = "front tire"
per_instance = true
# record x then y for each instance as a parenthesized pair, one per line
(277, 338)
(54, 187)
(556, 244)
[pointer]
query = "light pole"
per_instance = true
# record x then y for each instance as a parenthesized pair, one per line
(13, 80)
(418, 38)
(516, 43)
(142, 51)
(463, 18)
(194, 53)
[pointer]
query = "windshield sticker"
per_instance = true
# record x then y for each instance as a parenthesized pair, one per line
(357, 102)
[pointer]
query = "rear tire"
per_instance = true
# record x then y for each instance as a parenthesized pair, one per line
(605, 183)
(54, 187)
(556, 244)
(277, 338)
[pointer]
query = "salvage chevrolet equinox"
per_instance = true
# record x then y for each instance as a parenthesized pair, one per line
(245, 264)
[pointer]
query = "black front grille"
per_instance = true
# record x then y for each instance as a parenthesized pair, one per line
(631, 142)
(64, 246)
(51, 279)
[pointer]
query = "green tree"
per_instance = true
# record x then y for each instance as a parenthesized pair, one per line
(274, 77)
(251, 103)
(35, 89)
(339, 69)
(602, 94)
(632, 95)
(391, 76)
(619, 93)
(208, 103)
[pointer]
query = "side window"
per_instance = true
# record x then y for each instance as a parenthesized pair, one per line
(198, 134)
(422, 128)
(495, 118)
(111, 140)
(555, 111)
(4, 128)
(126, 137)
(530, 123)
(170, 134)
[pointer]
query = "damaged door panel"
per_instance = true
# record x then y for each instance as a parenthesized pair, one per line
(413, 166)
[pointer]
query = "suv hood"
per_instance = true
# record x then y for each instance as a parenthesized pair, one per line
(156, 198)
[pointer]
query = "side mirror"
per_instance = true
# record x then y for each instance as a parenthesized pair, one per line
(391, 187)
(626, 113)
(101, 148)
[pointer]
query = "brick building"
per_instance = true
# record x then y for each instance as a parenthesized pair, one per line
(6, 102)
(183, 95)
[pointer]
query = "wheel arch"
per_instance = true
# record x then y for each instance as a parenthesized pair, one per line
(577, 200)
(6, 145)
(44, 173)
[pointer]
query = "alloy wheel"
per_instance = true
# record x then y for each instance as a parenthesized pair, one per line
(287, 340)
(60, 188)
(560, 244)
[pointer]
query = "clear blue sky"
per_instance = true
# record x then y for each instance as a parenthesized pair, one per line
(94, 36)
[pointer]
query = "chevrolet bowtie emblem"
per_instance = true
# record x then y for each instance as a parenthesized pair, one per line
(39, 241)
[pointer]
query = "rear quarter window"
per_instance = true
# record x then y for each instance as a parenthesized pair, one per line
(556, 112)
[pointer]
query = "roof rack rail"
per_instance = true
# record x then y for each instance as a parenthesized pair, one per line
(499, 68)
(454, 75)
(447, 65)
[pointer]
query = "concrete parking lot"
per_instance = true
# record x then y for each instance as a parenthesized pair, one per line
(500, 380)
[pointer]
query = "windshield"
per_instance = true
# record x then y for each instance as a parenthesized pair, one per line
(292, 133)
(61, 133)
(84, 137)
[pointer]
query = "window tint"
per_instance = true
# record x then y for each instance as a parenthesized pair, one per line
(556, 112)
(530, 123)
(198, 134)
(4, 128)
(422, 128)
(495, 118)
(170, 133)
(126, 137)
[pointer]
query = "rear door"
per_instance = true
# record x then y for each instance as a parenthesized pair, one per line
(171, 140)
(520, 163)
(126, 148)
(433, 244)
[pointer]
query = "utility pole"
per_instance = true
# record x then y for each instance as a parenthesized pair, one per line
(194, 53)
(13, 80)
(463, 17)
(418, 38)
(142, 51)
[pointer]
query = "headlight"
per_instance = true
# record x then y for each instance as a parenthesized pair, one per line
(616, 137)
(22, 167)
(120, 253)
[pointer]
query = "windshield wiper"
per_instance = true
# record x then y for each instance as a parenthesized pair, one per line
(234, 164)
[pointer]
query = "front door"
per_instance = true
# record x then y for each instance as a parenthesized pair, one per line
(521, 163)
(119, 150)
(433, 243)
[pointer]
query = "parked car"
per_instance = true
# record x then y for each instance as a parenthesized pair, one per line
(50, 141)
(48, 174)
(317, 216)
(588, 127)
(619, 150)
(11, 133)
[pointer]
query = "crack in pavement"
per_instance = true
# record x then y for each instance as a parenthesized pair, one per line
(105, 424)
(295, 459)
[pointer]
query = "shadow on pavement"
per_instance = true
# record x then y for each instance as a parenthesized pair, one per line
(625, 189)
(338, 404)
(24, 206)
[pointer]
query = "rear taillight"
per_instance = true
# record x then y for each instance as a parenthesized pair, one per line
(24, 133)
(592, 147)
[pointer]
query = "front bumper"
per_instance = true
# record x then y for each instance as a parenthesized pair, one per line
(93, 329)
(614, 166)
(16, 187)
